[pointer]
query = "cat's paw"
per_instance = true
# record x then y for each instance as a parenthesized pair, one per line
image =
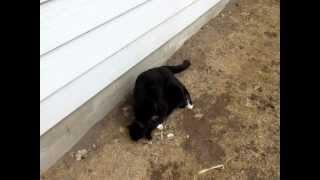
(160, 127)
(189, 106)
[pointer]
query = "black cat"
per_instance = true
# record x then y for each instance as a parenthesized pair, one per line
(157, 93)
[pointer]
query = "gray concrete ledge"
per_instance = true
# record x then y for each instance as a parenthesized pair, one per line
(61, 138)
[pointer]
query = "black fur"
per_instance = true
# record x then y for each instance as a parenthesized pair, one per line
(157, 93)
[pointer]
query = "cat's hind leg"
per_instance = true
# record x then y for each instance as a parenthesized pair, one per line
(189, 105)
(188, 97)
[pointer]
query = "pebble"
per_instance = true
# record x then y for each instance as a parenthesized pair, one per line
(94, 146)
(199, 115)
(72, 154)
(121, 129)
(81, 154)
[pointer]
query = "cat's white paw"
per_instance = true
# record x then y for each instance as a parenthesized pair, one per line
(189, 106)
(160, 127)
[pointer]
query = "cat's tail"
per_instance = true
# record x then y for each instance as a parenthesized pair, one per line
(179, 68)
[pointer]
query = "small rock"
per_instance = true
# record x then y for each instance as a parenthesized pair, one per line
(170, 135)
(121, 129)
(187, 136)
(149, 142)
(72, 154)
(94, 146)
(244, 14)
(199, 115)
(81, 154)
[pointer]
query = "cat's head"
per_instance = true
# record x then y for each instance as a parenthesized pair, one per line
(136, 130)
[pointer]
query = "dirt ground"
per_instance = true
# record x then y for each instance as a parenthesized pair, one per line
(234, 83)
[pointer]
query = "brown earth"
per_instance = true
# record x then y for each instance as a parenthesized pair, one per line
(234, 83)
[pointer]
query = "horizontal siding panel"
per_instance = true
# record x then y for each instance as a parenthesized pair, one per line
(63, 65)
(64, 20)
(72, 96)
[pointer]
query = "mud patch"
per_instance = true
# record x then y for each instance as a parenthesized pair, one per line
(219, 107)
(205, 150)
